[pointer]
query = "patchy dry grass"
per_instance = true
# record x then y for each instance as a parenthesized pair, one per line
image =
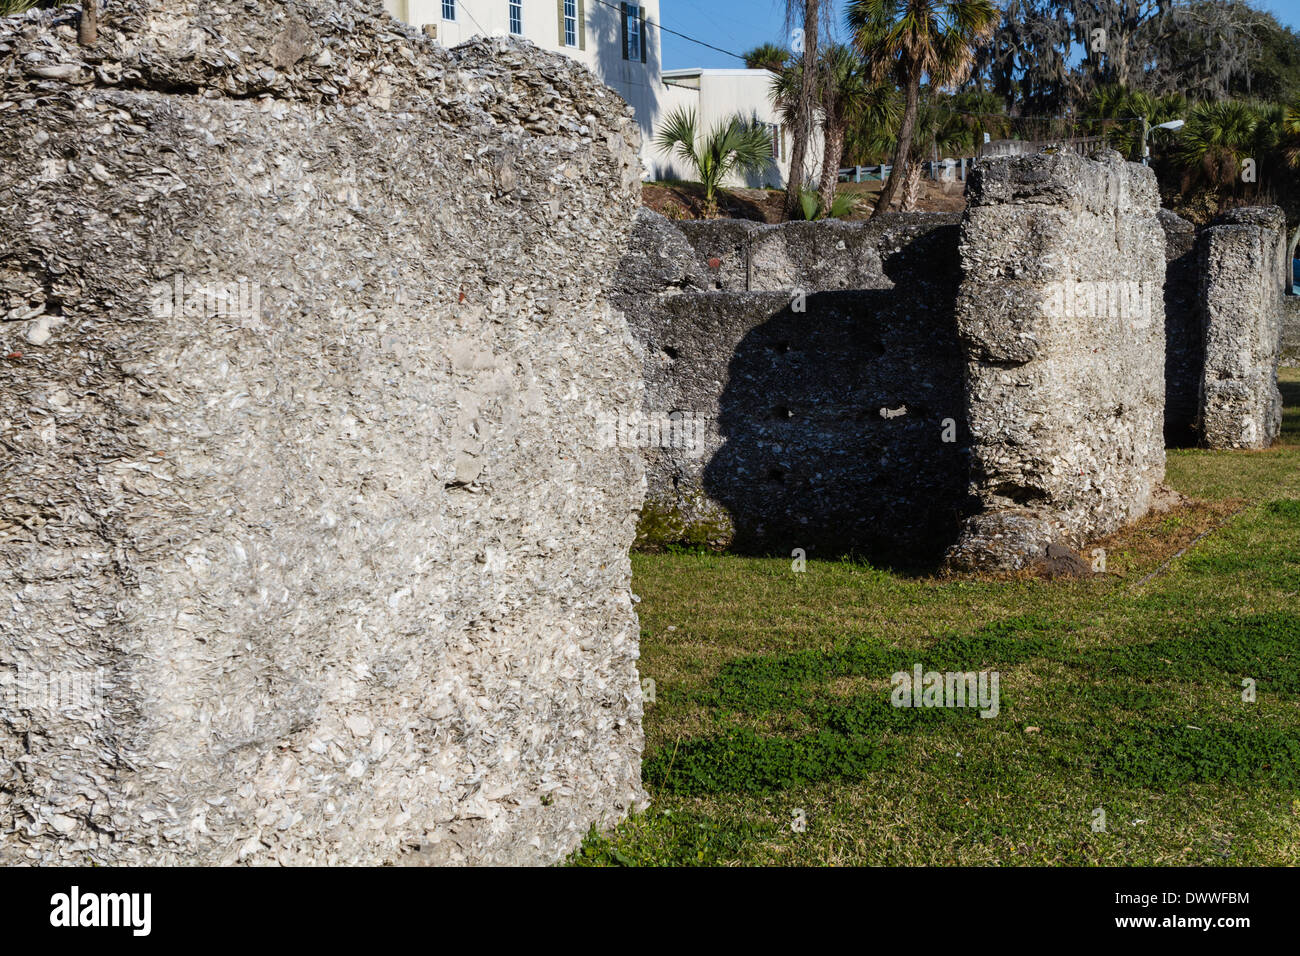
(771, 740)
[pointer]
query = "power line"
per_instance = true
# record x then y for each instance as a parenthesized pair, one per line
(676, 33)
(643, 21)
(702, 11)
(471, 16)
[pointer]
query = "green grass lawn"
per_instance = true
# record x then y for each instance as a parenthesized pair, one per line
(771, 739)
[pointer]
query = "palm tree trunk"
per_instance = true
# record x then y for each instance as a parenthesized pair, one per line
(911, 188)
(911, 106)
(88, 27)
(804, 115)
(795, 178)
(832, 153)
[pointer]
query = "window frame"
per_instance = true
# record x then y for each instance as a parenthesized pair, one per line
(572, 44)
(515, 12)
(449, 5)
(632, 12)
(635, 19)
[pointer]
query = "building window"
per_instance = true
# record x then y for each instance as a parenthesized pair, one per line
(774, 131)
(570, 22)
(449, 9)
(517, 17)
(633, 38)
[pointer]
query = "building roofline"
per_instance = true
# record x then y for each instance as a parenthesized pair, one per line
(700, 71)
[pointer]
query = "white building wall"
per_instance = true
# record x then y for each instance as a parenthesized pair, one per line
(717, 95)
(652, 93)
(599, 46)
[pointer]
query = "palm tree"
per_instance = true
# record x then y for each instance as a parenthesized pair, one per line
(1291, 153)
(767, 56)
(1116, 112)
(913, 39)
(849, 96)
(1291, 134)
(732, 144)
(803, 118)
(850, 102)
(88, 26)
(1215, 143)
(940, 131)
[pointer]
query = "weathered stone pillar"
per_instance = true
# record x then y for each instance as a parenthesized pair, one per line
(1060, 309)
(1290, 355)
(311, 547)
(1244, 275)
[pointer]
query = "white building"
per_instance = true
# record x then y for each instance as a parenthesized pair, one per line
(716, 96)
(619, 41)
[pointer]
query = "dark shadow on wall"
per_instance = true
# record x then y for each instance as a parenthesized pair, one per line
(1290, 411)
(835, 420)
(1184, 336)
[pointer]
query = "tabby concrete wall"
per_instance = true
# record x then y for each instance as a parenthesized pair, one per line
(305, 498)
(1245, 272)
(1061, 312)
(798, 374)
(1290, 349)
(806, 383)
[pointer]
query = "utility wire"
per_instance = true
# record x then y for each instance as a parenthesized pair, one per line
(464, 7)
(703, 11)
(675, 33)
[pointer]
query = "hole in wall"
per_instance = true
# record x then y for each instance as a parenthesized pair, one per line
(776, 475)
(781, 412)
(670, 352)
(1020, 494)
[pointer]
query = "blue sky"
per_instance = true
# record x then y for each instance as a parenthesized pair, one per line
(740, 25)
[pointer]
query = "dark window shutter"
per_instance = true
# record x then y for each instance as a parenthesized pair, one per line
(640, 12)
(624, 8)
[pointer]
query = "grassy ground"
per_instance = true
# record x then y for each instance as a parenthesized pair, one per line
(771, 739)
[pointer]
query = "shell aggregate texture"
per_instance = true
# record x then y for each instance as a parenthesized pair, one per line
(311, 550)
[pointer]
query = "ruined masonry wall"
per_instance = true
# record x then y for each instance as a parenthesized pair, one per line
(1290, 350)
(811, 421)
(1061, 313)
(346, 559)
(1244, 275)
(815, 429)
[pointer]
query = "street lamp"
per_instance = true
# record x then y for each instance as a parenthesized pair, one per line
(1172, 126)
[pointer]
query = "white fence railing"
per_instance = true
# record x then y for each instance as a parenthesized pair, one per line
(952, 170)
